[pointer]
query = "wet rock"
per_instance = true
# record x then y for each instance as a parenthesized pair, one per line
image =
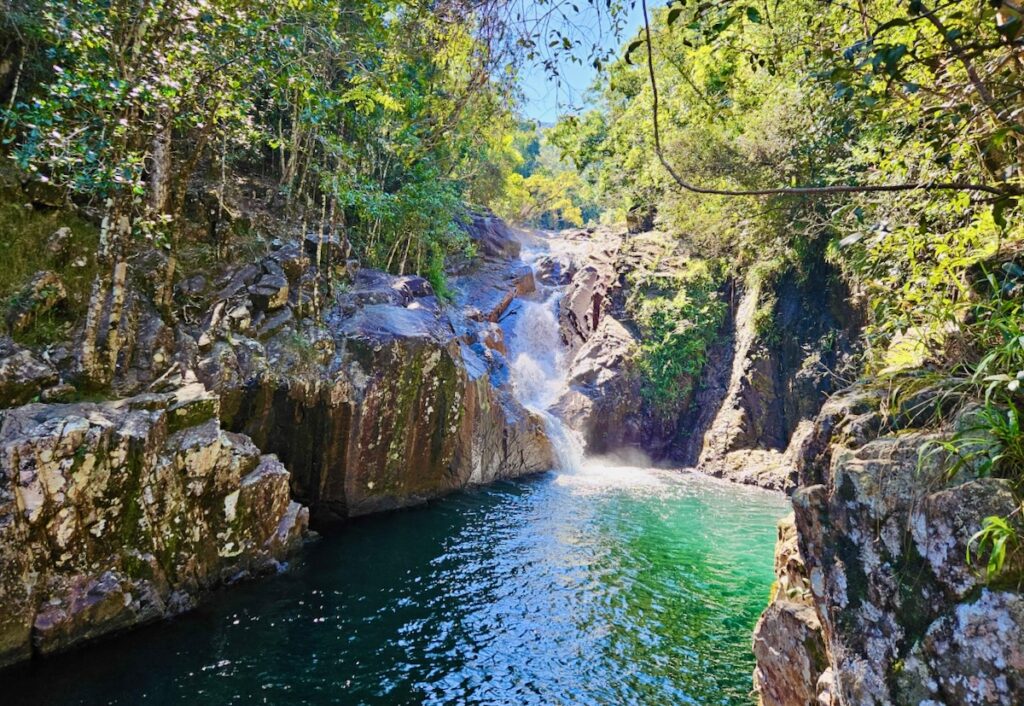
(382, 406)
(555, 270)
(116, 514)
(602, 401)
(494, 338)
(585, 304)
(44, 293)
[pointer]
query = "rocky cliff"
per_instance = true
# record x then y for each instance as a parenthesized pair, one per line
(119, 513)
(297, 386)
(886, 609)
(760, 387)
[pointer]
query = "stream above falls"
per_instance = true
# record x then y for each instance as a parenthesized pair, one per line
(606, 585)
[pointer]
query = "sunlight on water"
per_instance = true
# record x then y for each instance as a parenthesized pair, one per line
(604, 582)
(610, 585)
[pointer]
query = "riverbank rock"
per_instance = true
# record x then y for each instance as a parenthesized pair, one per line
(388, 398)
(120, 513)
(883, 530)
(788, 642)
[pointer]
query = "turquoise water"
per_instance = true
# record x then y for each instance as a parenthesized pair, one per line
(610, 585)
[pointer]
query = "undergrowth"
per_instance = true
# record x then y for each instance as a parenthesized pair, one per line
(24, 235)
(679, 316)
(990, 440)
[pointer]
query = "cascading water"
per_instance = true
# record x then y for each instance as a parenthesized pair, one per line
(538, 361)
(598, 584)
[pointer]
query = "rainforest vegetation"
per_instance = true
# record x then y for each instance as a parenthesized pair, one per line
(889, 134)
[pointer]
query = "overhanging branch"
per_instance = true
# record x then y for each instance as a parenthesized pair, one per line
(796, 190)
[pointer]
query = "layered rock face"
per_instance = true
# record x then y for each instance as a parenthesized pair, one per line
(120, 513)
(298, 376)
(758, 389)
(604, 400)
(387, 398)
(777, 380)
(883, 531)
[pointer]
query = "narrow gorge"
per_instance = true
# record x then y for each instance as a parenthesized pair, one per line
(517, 352)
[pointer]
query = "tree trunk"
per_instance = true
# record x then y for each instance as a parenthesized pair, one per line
(101, 340)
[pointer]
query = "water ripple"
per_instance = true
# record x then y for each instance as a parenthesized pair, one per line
(609, 585)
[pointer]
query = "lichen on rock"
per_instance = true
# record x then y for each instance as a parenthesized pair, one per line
(120, 513)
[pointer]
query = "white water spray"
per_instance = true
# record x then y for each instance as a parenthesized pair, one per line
(539, 370)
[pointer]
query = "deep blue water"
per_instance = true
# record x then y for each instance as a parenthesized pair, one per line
(610, 585)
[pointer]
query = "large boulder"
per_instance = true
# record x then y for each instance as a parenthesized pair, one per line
(116, 514)
(494, 239)
(884, 531)
(23, 375)
(391, 401)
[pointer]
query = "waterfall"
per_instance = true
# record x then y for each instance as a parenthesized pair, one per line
(539, 366)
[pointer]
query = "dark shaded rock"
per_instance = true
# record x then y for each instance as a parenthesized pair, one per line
(191, 287)
(270, 292)
(640, 219)
(275, 322)
(332, 251)
(239, 280)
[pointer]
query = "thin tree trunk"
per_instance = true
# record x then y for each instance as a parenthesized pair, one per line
(101, 340)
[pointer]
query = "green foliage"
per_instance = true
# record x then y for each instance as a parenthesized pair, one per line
(24, 234)
(1000, 540)
(757, 95)
(544, 190)
(678, 319)
(375, 119)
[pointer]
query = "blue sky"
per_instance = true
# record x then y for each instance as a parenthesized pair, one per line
(544, 101)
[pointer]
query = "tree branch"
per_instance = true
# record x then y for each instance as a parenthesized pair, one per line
(792, 191)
